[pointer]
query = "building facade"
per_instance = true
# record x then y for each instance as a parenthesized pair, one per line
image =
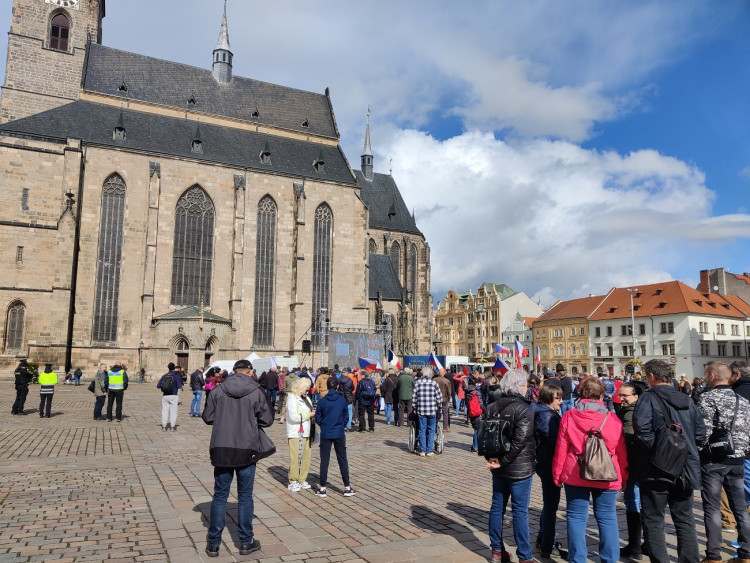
(718, 280)
(157, 212)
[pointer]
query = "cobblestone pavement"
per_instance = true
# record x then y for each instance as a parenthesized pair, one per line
(75, 489)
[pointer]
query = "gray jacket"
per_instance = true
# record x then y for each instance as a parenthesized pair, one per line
(237, 409)
(717, 406)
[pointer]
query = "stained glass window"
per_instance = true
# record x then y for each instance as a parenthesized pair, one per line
(193, 248)
(109, 258)
(14, 326)
(321, 279)
(396, 259)
(265, 260)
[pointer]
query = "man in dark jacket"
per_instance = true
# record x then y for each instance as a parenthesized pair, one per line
(445, 390)
(345, 386)
(656, 487)
(23, 377)
(387, 391)
(117, 383)
(566, 384)
(513, 470)
(237, 409)
(197, 383)
(740, 382)
(271, 385)
(332, 415)
(170, 384)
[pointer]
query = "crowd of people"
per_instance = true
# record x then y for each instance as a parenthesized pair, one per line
(664, 440)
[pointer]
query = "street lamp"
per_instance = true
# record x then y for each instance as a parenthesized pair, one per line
(632, 321)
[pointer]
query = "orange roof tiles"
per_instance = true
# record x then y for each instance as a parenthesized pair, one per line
(741, 277)
(573, 308)
(668, 298)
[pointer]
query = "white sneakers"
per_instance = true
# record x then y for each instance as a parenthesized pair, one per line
(294, 487)
(304, 485)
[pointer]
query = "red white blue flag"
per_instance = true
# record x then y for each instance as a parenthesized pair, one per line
(391, 357)
(500, 367)
(501, 349)
(433, 361)
(538, 355)
(369, 364)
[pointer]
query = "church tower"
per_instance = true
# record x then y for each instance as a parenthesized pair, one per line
(46, 52)
(367, 152)
(222, 67)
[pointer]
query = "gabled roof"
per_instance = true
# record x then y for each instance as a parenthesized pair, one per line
(191, 313)
(572, 309)
(668, 298)
(503, 291)
(387, 208)
(170, 84)
(158, 135)
(383, 278)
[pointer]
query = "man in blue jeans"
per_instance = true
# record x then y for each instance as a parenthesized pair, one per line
(237, 409)
(197, 383)
(426, 401)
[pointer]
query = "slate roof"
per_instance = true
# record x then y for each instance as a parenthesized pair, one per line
(171, 84)
(382, 197)
(155, 134)
(191, 313)
(383, 278)
(667, 298)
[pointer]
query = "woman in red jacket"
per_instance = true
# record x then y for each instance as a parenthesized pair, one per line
(589, 413)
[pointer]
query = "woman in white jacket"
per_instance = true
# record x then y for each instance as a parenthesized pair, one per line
(299, 411)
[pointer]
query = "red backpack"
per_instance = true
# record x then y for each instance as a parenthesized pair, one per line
(475, 409)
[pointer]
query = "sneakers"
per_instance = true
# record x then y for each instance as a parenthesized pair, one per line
(349, 492)
(304, 485)
(294, 487)
(212, 550)
(247, 549)
(163, 428)
(430, 454)
(321, 492)
(422, 454)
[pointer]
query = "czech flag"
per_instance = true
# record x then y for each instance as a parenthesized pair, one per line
(391, 358)
(538, 355)
(500, 367)
(273, 362)
(501, 349)
(433, 361)
(369, 364)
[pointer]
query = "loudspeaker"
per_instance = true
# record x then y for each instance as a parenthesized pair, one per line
(306, 347)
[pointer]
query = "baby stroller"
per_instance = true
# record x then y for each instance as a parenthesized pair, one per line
(413, 446)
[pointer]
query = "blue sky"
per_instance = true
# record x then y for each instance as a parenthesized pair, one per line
(562, 148)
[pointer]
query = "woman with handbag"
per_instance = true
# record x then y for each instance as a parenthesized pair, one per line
(582, 429)
(299, 411)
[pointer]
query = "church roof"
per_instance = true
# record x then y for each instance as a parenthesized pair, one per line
(159, 135)
(170, 84)
(387, 208)
(383, 278)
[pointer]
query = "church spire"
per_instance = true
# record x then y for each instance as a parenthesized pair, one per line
(367, 152)
(222, 65)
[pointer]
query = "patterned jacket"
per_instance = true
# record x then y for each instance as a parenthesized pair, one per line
(717, 406)
(427, 396)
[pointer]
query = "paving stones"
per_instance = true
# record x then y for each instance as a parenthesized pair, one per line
(76, 489)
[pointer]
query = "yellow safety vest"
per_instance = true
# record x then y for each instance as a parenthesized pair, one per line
(47, 378)
(116, 381)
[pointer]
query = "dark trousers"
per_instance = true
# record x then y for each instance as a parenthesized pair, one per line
(446, 415)
(654, 500)
(550, 504)
(21, 392)
(113, 396)
(355, 411)
(272, 396)
(339, 445)
(377, 403)
(730, 477)
(45, 401)
(369, 408)
(403, 406)
(98, 406)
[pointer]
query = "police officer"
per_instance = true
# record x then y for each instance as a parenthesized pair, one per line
(47, 379)
(117, 382)
(23, 378)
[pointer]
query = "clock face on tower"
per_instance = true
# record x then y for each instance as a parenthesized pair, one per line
(64, 3)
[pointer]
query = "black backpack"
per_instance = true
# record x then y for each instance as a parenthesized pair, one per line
(167, 384)
(669, 452)
(368, 389)
(493, 435)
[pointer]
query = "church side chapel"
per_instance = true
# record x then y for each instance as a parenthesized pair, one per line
(157, 212)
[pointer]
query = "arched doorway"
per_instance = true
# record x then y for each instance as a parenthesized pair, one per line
(182, 353)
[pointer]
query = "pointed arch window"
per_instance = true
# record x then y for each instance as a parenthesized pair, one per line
(59, 33)
(321, 295)
(396, 258)
(373, 246)
(109, 260)
(14, 327)
(193, 248)
(413, 276)
(265, 260)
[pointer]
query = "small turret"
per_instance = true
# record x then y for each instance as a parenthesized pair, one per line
(222, 66)
(367, 152)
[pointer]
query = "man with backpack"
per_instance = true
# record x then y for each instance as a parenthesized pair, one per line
(727, 419)
(365, 395)
(170, 383)
(671, 427)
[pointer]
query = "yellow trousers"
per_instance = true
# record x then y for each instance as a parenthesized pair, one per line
(298, 471)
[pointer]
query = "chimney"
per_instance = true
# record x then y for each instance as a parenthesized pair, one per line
(705, 284)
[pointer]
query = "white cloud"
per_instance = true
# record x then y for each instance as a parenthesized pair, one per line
(546, 214)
